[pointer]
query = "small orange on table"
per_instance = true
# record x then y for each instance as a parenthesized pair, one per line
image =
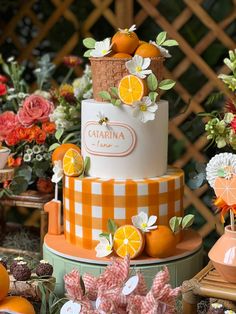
(128, 240)
(131, 88)
(73, 163)
(4, 282)
(160, 242)
(16, 304)
(60, 151)
(147, 50)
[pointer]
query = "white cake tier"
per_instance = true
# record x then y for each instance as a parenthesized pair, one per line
(124, 147)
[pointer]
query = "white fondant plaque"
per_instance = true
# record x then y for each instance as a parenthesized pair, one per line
(112, 139)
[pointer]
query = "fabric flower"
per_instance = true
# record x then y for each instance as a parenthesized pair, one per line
(8, 123)
(104, 247)
(142, 222)
(101, 48)
(164, 52)
(72, 285)
(138, 66)
(3, 89)
(57, 171)
(145, 109)
(35, 109)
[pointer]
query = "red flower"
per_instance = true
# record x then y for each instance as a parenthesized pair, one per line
(233, 124)
(44, 185)
(3, 78)
(35, 109)
(8, 123)
(3, 89)
(14, 162)
(49, 127)
(40, 137)
(12, 138)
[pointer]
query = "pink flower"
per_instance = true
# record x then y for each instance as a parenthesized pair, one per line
(72, 285)
(233, 124)
(8, 122)
(35, 109)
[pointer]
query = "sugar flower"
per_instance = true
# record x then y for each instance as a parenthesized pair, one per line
(58, 171)
(164, 52)
(142, 222)
(145, 109)
(138, 66)
(104, 247)
(128, 30)
(101, 48)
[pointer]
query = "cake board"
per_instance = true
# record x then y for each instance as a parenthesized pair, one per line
(184, 264)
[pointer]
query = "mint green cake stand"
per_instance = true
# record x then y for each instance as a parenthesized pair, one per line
(182, 265)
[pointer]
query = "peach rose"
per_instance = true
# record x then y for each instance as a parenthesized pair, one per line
(35, 109)
(8, 122)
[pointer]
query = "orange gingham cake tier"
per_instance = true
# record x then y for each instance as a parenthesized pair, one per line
(90, 202)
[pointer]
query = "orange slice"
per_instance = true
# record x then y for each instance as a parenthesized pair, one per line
(128, 240)
(131, 88)
(73, 163)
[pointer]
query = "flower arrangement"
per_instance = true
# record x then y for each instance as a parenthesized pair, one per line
(33, 124)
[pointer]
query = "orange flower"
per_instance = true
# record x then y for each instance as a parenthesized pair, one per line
(12, 138)
(40, 137)
(49, 127)
(72, 61)
(67, 91)
(33, 133)
(14, 162)
(44, 185)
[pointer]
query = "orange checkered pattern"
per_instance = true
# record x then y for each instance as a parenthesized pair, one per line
(90, 202)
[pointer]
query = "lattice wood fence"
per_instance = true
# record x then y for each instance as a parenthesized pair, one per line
(123, 13)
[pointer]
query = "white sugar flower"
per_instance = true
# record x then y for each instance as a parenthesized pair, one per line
(57, 171)
(142, 222)
(164, 52)
(145, 109)
(138, 66)
(104, 247)
(101, 48)
(128, 30)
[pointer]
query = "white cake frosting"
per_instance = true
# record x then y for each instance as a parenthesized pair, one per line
(124, 147)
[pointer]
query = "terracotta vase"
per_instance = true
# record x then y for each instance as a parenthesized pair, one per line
(223, 255)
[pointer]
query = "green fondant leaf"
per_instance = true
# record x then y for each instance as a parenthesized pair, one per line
(153, 96)
(105, 95)
(89, 42)
(86, 164)
(187, 221)
(105, 235)
(175, 223)
(87, 53)
(221, 173)
(170, 43)
(114, 91)
(161, 38)
(117, 102)
(111, 226)
(152, 82)
(58, 134)
(166, 84)
(53, 146)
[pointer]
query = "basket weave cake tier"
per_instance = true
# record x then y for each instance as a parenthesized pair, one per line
(107, 72)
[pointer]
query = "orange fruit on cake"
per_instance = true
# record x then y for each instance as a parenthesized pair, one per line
(147, 50)
(121, 55)
(125, 41)
(128, 240)
(73, 163)
(16, 305)
(131, 88)
(4, 282)
(60, 151)
(160, 242)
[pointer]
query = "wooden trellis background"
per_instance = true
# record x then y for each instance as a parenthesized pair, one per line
(121, 13)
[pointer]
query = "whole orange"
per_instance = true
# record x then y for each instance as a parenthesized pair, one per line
(147, 50)
(60, 151)
(125, 41)
(4, 282)
(160, 242)
(121, 55)
(16, 304)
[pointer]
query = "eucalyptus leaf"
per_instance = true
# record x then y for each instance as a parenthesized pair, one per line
(152, 82)
(69, 136)
(89, 42)
(87, 53)
(196, 181)
(111, 226)
(59, 134)
(187, 221)
(175, 223)
(53, 146)
(153, 96)
(24, 171)
(18, 185)
(170, 43)
(161, 38)
(166, 84)
(105, 95)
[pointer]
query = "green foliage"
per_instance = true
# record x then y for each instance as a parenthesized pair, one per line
(44, 71)
(161, 40)
(152, 82)
(111, 226)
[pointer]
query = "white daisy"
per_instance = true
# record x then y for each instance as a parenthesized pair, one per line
(104, 247)
(101, 48)
(142, 222)
(144, 109)
(164, 52)
(138, 66)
